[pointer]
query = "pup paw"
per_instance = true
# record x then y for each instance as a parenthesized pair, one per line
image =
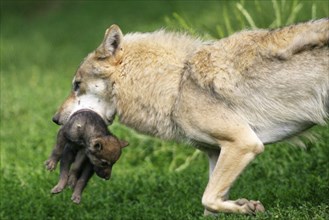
(250, 207)
(76, 198)
(50, 164)
(57, 189)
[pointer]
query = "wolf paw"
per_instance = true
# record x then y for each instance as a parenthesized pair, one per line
(250, 207)
(76, 198)
(50, 164)
(242, 206)
(57, 189)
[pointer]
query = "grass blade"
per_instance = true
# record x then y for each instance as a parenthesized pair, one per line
(313, 11)
(295, 10)
(277, 12)
(246, 15)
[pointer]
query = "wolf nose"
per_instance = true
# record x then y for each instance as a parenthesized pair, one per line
(56, 119)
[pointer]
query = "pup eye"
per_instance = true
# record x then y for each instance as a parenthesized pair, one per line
(105, 164)
(76, 86)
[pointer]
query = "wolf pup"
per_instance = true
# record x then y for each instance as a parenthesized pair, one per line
(229, 96)
(85, 134)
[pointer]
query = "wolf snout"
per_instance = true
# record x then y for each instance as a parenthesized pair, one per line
(56, 119)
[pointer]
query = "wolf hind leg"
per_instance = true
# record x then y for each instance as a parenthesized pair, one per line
(212, 158)
(235, 155)
(299, 37)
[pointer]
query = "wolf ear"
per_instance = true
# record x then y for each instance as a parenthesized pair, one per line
(111, 42)
(123, 143)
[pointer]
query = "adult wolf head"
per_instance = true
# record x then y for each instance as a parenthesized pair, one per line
(91, 85)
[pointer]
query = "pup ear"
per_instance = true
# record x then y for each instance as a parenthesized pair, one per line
(96, 147)
(111, 42)
(123, 143)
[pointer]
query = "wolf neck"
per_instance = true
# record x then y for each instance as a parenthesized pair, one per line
(148, 86)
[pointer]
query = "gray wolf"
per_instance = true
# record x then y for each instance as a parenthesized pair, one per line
(86, 141)
(229, 97)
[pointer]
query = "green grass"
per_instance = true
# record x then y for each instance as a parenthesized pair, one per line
(43, 42)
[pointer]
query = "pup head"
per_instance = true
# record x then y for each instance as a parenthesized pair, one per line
(93, 84)
(103, 152)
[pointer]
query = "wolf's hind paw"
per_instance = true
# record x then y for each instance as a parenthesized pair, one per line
(242, 206)
(251, 206)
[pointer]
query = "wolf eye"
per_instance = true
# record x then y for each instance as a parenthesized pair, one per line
(76, 86)
(102, 58)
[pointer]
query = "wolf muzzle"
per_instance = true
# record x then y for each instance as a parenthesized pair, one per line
(55, 119)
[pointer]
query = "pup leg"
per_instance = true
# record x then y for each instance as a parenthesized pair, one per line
(236, 153)
(86, 174)
(77, 168)
(57, 151)
(66, 161)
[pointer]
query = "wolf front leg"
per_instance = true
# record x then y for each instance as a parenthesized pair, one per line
(235, 155)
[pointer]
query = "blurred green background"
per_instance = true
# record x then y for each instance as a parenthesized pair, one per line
(43, 42)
